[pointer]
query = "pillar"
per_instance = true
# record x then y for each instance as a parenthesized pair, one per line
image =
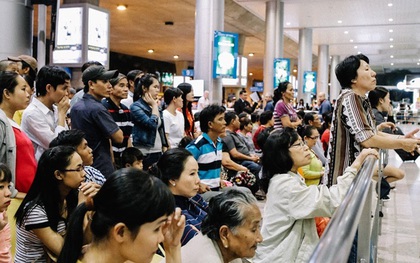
(42, 36)
(274, 16)
(323, 70)
(209, 18)
(304, 61)
(16, 28)
(335, 87)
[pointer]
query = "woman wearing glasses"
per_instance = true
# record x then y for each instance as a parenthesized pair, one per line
(288, 228)
(42, 217)
(314, 170)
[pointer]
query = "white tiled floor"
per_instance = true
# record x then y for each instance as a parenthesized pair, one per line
(400, 237)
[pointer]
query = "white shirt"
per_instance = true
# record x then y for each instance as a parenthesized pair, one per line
(202, 103)
(174, 127)
(40, 124)
(129, 100)
(288, 228)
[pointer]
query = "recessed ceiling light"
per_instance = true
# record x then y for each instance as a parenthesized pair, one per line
(346, 32)
(359, 52)
(418, 63)
(250, 73)
(150, 51)
(251, 54)
(121, 7)
(391, 39)
(176, 56)
(391, 56)
(391, 19)
(355, 47)
(391, 30)
(288, 23)
(339, 21)
(391, 46)
(392, 64)
(351, 40)
(390, 4)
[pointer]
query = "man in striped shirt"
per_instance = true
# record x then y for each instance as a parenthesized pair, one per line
(207, 148)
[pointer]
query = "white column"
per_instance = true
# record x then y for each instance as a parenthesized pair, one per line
(274, 24)
(304, 60)
(209, 17)
(335, 87)
(42, 38)
(323, 70)
(16, 32)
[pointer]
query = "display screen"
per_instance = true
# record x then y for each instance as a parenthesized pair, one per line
(68, 49)
(98, 26)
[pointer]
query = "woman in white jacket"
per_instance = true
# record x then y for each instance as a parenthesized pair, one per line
(288, 229)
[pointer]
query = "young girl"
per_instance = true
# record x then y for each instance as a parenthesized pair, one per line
(132, 214)
(42, 216)
(5, 235)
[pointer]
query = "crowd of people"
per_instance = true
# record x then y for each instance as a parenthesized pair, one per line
(111, 176)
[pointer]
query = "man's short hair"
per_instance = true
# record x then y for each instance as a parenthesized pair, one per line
(230, 116)
(265, 117)
(52, 75)
(242, 92)
(208, 114)
(70, 138)
(346, 70)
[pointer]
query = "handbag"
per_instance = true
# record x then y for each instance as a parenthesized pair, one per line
(243, 178)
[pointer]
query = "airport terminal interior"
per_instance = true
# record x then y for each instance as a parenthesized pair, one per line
(272, 41)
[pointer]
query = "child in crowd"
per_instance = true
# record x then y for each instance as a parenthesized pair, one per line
(132, 157)
(5, 199)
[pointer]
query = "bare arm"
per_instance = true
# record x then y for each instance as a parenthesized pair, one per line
(391, 142)
(285, 120)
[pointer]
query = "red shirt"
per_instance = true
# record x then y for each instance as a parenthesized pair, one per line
(25, 161)
(254, 138)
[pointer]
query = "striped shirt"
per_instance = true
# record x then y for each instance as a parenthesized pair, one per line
(281, 110)
(29, 247)
(209, 159)
(94, 175)
(194, 209)
(352, 123)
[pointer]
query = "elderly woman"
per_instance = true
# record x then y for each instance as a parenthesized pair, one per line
(314, 170)
(178, 169)
(230, 231)
(288, 228)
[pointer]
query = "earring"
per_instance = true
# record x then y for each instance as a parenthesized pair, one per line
(173, 184)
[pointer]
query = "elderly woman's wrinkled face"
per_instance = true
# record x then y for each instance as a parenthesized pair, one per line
(244, 239)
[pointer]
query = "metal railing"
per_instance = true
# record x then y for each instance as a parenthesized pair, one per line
(355, 212)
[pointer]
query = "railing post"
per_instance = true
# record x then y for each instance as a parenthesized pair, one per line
(365, 223)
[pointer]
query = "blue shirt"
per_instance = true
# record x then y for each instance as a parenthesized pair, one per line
(91, 117)
(209, 159)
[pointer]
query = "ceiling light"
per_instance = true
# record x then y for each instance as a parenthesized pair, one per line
(121, 7)
(359, 52)
(391, 39)
(251, 54)
(355, 47)
(250, 73)
(391, 46)
(288, 24)
(150, 51)
(391, 30)
(392, 64)
(390, 20)
(418, 63)
(346, 32)
(351, 40)
(339, 21)
(294, 70)
(176, 56)
(390, 4)
(391, 56)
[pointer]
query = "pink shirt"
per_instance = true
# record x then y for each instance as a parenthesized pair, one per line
(5, 241)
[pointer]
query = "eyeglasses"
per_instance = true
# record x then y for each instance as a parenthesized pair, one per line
(300, 144)
(78, 169)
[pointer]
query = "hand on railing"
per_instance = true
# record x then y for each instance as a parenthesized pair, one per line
(362, 156)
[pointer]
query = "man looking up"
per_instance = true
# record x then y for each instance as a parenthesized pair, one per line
(90, 116)
(45, 116)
